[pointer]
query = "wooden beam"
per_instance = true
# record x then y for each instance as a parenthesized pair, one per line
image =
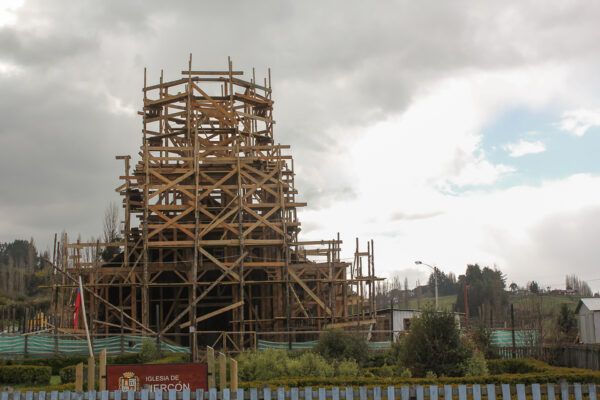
(310, 292)
(212, 314)
(219, 264)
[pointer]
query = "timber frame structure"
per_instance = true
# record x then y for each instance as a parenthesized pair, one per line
(210, 249)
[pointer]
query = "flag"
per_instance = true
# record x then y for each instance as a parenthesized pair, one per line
(77, 306)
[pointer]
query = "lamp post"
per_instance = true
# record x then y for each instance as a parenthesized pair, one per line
(435, 277)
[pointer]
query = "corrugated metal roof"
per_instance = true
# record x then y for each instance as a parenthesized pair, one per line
(591, 303)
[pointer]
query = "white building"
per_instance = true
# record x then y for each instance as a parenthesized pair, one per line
(588, 318)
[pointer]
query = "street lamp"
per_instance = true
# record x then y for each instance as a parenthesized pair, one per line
(435, 277)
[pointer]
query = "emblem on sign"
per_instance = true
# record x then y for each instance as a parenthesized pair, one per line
(128, 381)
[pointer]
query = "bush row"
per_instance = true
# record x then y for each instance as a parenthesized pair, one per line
(58, 388)
(274, 364)
(529, 378)
(56, 363)
(17, 374)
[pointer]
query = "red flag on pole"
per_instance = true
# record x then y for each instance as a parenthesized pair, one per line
(77, 306)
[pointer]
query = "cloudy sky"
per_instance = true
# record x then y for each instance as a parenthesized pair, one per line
(449, 132)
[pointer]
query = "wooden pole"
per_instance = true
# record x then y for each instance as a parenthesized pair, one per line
(87, 331)
(233, 375)
(79, 377)
(91, 376)
(102, 370)
(210, 361)
(222, 371)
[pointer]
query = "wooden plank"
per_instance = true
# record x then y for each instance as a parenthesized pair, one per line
(219, 264)
(233, 375)
(405, 393)
(211, 73)
(564, 391)
(577, 391)
(591, 391)
(309, 292)
(212, 314)
(447, 392)
(351, 323)
(210, 361)
(222, 371)
(550, 391)
(536, 393)
(79, 377)
(433, 392)
(476, 392)
(349, 393)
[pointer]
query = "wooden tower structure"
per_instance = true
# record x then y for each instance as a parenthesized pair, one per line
(210, 248)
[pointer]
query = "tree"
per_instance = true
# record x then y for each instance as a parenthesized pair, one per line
(111, 231)
(336, 344)
(484, 287)
(533, 287)
(566, 323)
(572, 282)
(446, 283)
(434, 344)
(513, 287)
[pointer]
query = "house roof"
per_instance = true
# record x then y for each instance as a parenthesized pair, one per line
(591, 303)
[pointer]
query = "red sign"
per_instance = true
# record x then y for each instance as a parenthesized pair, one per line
(156, 377)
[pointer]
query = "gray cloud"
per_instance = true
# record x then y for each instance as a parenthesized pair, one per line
(335, 72)
(559, 245)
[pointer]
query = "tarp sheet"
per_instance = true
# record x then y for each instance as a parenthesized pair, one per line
(11, 346)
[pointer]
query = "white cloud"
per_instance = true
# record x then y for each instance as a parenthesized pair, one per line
(578, 122)
(524, 147)
(7, 11)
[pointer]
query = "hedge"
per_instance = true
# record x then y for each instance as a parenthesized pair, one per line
(56, 363)
(67, 374)
(502, 371)
(172, 359)
(16, 374)
(58, 388)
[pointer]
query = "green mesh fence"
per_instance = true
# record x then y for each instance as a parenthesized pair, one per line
(503, 338)
(39, 346)
(265, 344)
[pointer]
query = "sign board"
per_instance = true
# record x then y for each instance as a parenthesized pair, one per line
(156, 376)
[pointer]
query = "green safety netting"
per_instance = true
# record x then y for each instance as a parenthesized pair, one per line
(47, 346)
(503, 338)
(265, 344)
(379, 345)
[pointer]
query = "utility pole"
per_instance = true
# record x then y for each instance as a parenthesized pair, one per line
(435, 279)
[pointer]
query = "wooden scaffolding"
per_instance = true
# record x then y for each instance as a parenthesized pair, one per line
(210, 248)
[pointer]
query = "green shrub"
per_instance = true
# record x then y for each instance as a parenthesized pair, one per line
(434, 344)
(32, 374)
(517, 366)
(56, 363)
(337, 344)
(172, 358)
(124, 359)
(475, 365)
(312, 364)
(67, 374)
(47, 389)
(348, 368)
(269, 364)
(148, 352)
